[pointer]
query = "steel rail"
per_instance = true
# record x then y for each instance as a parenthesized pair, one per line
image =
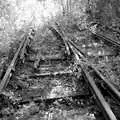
(60, 37)
(27, 42)
(10, 68)
(23, 49)
(80, 52)
(109, 40)
(107, 28)
(106, 110)
(109, 85)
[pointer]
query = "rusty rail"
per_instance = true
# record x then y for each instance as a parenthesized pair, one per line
(11, 67)
(106, 110)
(77, 49)
(106, 39)
(23, 50)
(58, 33)
(110, 86)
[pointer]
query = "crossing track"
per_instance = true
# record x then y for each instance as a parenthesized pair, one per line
(85, 64)
(98, 95)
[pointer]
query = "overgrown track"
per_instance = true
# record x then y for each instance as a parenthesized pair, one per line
(109, 85)
(109, 115)
(47, 76)
(25, 40)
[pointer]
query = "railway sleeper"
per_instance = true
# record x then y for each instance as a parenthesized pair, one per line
(38, 99)
(51, 74)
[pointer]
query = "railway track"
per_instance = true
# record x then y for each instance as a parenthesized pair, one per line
(89, 69)
(50, 77)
